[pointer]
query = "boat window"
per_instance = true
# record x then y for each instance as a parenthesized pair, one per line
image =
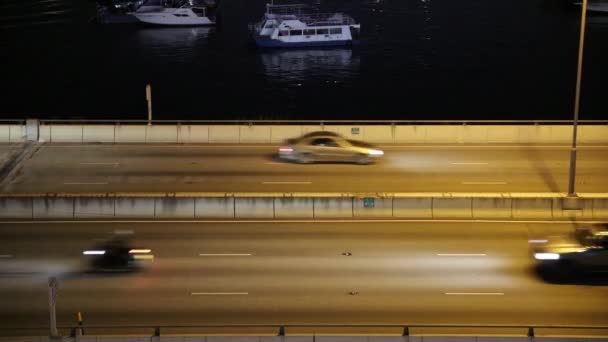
(295, 32)
(335, 30)
(309, 32)
(322, 31)
(283, 33)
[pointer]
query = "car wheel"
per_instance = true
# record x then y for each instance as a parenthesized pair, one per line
(363, 159)
(306, 158)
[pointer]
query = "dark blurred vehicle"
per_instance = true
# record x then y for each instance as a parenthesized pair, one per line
(326, 146)
(117, 254)
(585, 250)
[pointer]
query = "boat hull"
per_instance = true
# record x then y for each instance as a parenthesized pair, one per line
(165, 21)
(273, 43)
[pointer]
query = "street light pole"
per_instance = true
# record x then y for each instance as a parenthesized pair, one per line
(577, 100)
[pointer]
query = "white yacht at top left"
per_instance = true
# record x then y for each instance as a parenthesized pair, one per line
(178, 12)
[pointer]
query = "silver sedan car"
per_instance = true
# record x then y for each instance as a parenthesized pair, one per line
(585, 250)
(328, 147)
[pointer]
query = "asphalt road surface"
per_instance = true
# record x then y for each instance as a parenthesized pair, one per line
(293, 273)
(171, 168)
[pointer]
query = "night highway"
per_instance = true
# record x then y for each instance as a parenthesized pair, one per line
(246, 168)
(293, 273)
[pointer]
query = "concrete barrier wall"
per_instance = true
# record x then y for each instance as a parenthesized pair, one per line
(318, 337)
(294, 208)
(98, 134)
(192, 134)
(253, 134)
(17, 133)
(269, 207)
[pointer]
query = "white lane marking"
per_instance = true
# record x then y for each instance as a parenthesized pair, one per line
(462, 254)
(86, 183)
(6, 256)
(101, 164)
(463, 163)
(274, 183)
(474, 293)
(300, 221)
(225, 254)
(483, 183)
(219, 293)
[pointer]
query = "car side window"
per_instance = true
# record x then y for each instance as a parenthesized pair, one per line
(326, 142)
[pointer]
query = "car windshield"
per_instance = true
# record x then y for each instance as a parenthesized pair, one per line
(592, 237)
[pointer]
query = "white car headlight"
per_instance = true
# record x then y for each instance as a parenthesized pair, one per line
(546, 256)
(94, 252)
(376, 152)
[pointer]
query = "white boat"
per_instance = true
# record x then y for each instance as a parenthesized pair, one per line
(294, 26)
(188, 14)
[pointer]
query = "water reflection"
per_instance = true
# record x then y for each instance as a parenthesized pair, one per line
(303, 63)
(173, 41)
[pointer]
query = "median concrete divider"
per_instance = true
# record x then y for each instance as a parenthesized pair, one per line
(253, 207)
(373, 207)
(533, 208)
(214, 207)
(416, 206)
(94, 207)
(492, 207)
(453, 208)
(294, 208)
(178, 208)
(53, 208)
(333, 207)
(133, 207)
(600, 208)
(17, 207)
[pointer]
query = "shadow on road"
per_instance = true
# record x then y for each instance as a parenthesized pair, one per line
(542, 169)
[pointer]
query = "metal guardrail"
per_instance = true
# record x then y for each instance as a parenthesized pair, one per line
(280, 329)
(323, 122)
(12, 121)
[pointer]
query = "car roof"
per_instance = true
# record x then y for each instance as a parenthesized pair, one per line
(320, 134)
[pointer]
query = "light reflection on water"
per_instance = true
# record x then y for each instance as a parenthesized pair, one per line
(293, 65)
(177, 42)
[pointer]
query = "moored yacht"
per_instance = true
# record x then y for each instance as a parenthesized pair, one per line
(186, 13)
(295, 26)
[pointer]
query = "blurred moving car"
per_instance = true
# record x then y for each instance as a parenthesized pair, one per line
(117, 254)
(323, 146)
(583, 251)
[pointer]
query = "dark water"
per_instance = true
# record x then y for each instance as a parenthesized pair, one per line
(419, 59)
